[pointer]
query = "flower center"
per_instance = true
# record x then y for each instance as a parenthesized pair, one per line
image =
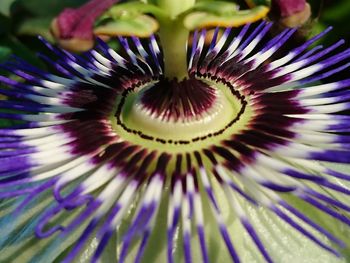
(188, 112)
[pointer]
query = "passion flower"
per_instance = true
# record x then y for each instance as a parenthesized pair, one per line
(120, 141)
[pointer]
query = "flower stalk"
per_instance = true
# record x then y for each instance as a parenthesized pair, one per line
(175, 8)
(173, 36)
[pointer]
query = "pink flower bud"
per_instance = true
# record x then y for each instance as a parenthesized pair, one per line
(289, 7)
(73, 28)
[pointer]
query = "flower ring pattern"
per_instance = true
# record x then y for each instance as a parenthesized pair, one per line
(110, 139)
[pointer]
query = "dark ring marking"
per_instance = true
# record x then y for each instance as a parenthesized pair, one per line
(182, 142)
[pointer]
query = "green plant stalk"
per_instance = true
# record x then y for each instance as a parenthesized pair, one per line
(173, 37)
(174, 8)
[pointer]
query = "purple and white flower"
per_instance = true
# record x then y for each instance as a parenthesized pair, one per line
(107, 142)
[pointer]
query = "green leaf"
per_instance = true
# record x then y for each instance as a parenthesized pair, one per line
(36, 26)
(338, 11)
(47, 7)
(5, 7)
(5, 23)
(6, 123)
(252, 3)
(202, 19)
(21, 50)
(5, 53)
(140, 26)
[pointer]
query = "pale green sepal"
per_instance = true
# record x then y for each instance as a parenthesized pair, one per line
(18, 242)
(203, 19)
(139, 26)
(282, 242)
(155, 251)
(216, 7)
(132, 9)
(339, 229)
(130, 19)
(334, 226)
(108, 255)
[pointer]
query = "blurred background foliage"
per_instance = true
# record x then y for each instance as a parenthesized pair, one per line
(334, 13)
(22, 20)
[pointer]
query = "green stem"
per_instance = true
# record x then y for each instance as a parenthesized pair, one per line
(175, 7)
(173, 37)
